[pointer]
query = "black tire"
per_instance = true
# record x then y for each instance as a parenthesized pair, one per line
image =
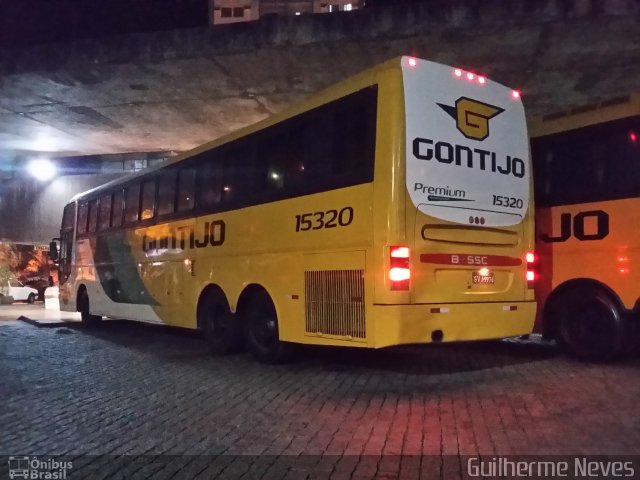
(222, 330)
(84, 309)
(588, 322)
(261, 332)
(31, 298)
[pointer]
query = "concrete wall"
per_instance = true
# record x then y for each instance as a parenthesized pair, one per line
(31, 212)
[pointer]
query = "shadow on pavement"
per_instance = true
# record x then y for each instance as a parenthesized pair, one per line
(180, 345)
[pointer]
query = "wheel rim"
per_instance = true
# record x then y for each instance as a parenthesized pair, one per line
(264, 327)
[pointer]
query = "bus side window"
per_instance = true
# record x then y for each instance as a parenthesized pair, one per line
(166, 192)
(209, 180)
(132, 204)
(147, 208)
(274, 156)
(240, 173)
(93, 216)
(104, 218)
(354, 134)
(83, 215)
(116, 217)
(186, 188)
(318, 152)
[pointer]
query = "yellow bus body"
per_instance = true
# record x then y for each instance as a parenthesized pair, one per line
(262, 248)
(585, 236)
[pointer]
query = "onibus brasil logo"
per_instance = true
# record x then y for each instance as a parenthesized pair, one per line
(35, 468)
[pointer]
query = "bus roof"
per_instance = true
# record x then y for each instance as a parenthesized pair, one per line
(605, 111)
(326, 95)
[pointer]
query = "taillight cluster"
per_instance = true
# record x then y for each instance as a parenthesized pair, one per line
(399, 271)
(530, 257)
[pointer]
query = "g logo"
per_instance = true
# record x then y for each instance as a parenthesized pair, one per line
(472, 117)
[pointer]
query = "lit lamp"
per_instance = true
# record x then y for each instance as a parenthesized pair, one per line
(42, 169)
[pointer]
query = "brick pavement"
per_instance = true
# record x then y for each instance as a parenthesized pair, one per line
(130, 389)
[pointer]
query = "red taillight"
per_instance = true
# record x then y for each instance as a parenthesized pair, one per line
(531, 275)
(399, 271)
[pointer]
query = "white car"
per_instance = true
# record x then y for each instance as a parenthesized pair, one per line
(19, 292)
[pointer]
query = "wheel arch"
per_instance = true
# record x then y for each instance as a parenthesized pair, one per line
(548, 326)
(247, 293)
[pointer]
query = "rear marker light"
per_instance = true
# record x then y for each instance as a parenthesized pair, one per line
(481, 80)
(412, 62)
(530, 258)
(399, 271)
(515, 94)
(457, 72)
(400, 252)
(470, 76)
(633, 137)
(399, 274)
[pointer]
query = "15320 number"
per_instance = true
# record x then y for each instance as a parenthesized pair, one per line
(326, 219)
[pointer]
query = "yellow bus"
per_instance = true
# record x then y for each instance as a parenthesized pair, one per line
(587, 183)
(391, 208)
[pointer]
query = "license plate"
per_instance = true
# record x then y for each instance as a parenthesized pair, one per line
(483, 279)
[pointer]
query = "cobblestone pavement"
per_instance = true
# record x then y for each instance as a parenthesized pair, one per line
(133, 389)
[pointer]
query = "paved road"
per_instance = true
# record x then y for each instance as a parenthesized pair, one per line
(133, 389)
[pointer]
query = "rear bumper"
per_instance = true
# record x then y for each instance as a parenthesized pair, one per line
(408, 324)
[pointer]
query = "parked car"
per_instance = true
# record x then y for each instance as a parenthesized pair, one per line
(19, 292)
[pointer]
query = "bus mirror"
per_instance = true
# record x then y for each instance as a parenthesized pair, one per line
(53, 251)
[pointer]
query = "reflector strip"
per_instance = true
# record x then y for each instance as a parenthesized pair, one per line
(440, 310)
(509, 308)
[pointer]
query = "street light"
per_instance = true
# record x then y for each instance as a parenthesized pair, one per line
(42, 169)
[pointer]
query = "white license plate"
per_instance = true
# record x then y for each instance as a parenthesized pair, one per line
(480, 279)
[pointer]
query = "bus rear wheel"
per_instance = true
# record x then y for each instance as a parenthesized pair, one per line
(262, 335)
(84, 309)
(589, 323)
(222, 331)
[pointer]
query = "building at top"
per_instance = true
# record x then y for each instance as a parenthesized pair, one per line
(232, 11)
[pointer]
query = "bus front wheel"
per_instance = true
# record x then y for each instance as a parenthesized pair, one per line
(83, 307)
(589, 323)
(261, 330)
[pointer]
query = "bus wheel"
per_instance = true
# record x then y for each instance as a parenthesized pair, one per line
(222, 330)
(83, 307)
(589, 323)
(261, 330)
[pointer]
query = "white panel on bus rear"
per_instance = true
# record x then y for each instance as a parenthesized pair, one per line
(467, 146)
